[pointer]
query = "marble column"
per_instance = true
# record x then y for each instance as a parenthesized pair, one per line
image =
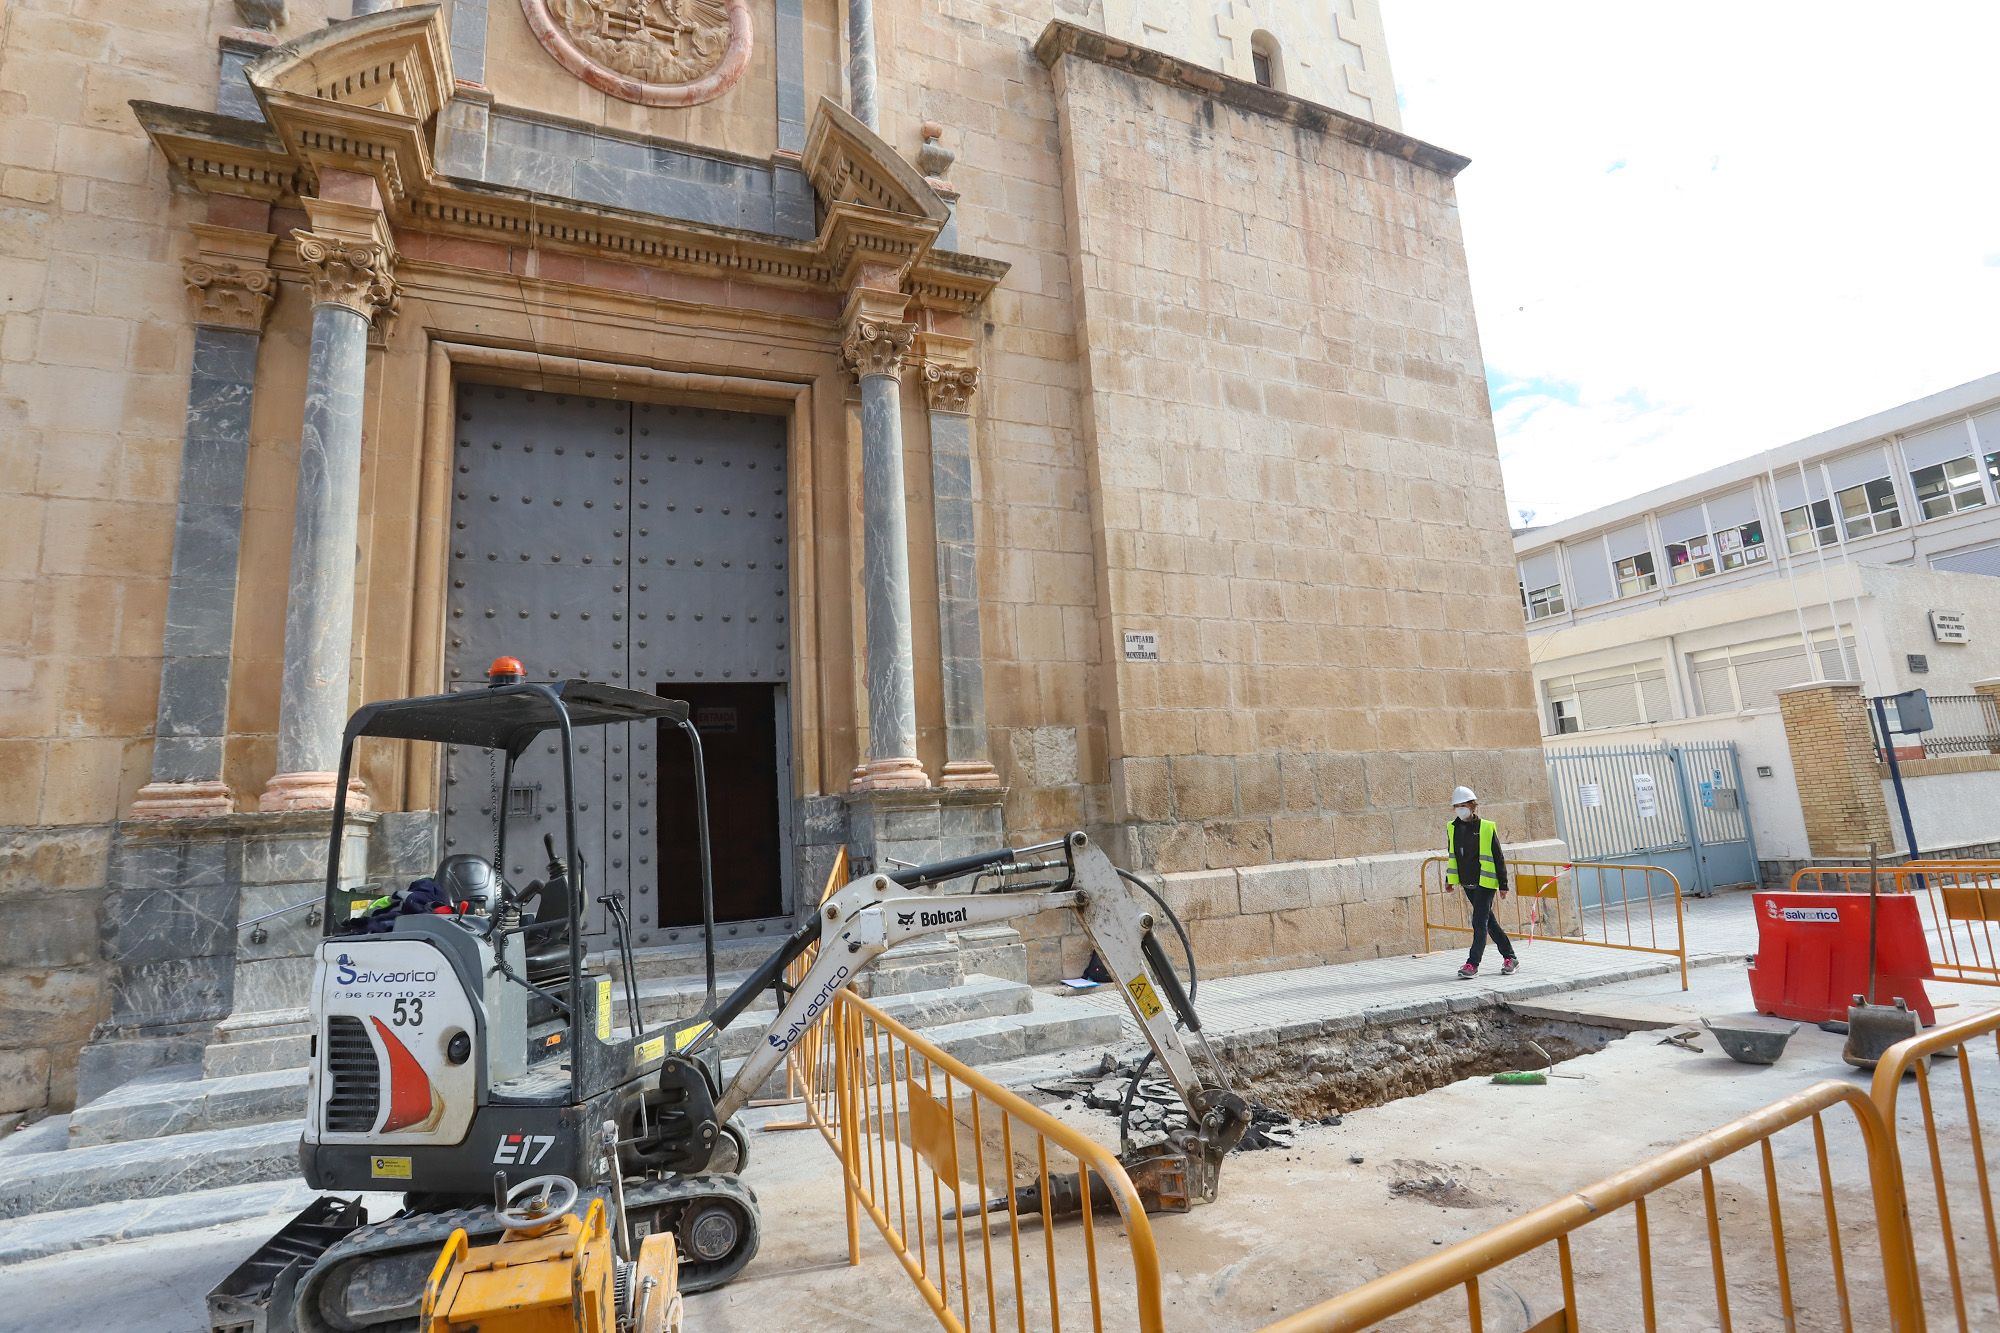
(875, 349)
(948, 389)
(861, 62)
(351, 284)
(231, 288)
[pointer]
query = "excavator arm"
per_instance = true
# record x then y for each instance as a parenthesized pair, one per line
(878, 911)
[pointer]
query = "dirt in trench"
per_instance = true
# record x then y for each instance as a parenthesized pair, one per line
(1373, 1065)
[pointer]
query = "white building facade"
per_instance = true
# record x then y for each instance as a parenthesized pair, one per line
(1870, 552)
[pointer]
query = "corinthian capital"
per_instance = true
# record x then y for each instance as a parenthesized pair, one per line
(354, 274)
(228, 295)
(948, 387)
(877, 347)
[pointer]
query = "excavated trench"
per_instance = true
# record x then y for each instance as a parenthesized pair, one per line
(1370, 1066)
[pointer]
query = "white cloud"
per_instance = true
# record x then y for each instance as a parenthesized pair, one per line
(1702, 230)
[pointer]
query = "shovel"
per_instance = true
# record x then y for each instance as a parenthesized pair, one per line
(1873, 1028)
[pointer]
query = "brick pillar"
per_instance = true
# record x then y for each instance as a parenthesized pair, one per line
(1833, 758)
(1989, 690)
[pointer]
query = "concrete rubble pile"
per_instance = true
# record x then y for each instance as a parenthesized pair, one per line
(1157, 1108)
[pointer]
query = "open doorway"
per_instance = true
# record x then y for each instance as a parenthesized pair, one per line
(739, 740)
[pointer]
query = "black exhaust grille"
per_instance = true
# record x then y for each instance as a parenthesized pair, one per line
(353, 1076)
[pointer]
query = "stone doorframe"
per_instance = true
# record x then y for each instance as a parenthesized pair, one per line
(453, 363)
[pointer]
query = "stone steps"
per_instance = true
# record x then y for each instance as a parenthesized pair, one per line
(148, 1168)
(157, 1106)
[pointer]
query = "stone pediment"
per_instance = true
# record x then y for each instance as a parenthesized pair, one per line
(396, 62)
(848, 163)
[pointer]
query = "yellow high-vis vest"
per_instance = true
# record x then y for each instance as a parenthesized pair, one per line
(1489, 874)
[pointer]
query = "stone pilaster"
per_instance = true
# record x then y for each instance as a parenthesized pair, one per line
(949, 379)
(348, 262)
(230, 287)
(876, 344)
(1833, 759)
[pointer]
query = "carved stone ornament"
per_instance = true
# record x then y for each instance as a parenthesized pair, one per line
(348, 274)
(229, 296)
(875, 348)
(949, 387)
(653, 52)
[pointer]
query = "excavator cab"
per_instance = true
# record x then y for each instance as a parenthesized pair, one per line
(463, 1030)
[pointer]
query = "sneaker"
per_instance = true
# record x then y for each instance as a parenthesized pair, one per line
(1507, 968)
(1469, 970)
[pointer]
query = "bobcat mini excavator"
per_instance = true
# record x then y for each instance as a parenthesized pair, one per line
(473, 1040)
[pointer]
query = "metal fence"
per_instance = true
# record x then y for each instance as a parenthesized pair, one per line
(1958, 904)
(1678, 806)
(1637, 908)
(1939, 1137)
(1960, 724)
(1830, 1270)
(978, 1192)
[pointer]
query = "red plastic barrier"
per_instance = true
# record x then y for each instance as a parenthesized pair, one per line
(1812, 955)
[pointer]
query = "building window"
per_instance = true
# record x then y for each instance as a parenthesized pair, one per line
(1810, 525)
(1635, 574)
(1749, 675)
(1618, 697)
(1741, 546)
(1541, 603)
(1265, 65)
(1946, 488)
(1869, 508)
(1690, 560)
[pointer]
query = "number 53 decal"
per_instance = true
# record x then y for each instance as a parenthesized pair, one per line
(409, 1013)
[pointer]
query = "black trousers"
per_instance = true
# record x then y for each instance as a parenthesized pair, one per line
(1484, 923)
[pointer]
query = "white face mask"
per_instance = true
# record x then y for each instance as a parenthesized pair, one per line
(1462, 811)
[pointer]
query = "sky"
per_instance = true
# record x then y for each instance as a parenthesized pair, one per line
(1701, 230)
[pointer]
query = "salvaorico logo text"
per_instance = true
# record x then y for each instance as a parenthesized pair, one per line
(783, 1040)
(347, 974)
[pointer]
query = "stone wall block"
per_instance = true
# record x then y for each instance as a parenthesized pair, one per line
(151, 925)
(1202, 894)
(1302, 837)
(1278, 888)
(1204, 785)
(54, 1008)
(24, 1080)
(1389, 926)
(49, 930)
(171, 991)
(45, 860)
(1237, 842)
(1308, 937)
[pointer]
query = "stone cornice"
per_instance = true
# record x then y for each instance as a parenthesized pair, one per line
(1061, 39)
(356, 99)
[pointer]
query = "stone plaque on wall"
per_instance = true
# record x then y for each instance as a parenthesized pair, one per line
(653, 52)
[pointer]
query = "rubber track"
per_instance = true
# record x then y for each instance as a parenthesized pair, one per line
(427, 1233)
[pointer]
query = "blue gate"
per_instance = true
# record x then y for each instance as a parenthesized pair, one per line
(1681, 807)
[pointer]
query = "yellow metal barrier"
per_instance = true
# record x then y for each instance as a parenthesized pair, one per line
(1957, 901)
(975, 1189)
(1947, 1129)
(1810, 1294)
(1639, 907)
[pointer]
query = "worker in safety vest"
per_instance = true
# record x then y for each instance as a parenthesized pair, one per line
(1473, 860)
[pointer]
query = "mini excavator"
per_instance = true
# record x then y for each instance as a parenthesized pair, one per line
(463, 1035)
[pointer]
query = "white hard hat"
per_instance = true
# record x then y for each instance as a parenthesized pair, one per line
(1463, 796)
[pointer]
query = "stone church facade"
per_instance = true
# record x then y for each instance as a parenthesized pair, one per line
(995, 419)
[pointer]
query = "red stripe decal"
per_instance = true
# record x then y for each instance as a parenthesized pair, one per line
(409, 1086)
